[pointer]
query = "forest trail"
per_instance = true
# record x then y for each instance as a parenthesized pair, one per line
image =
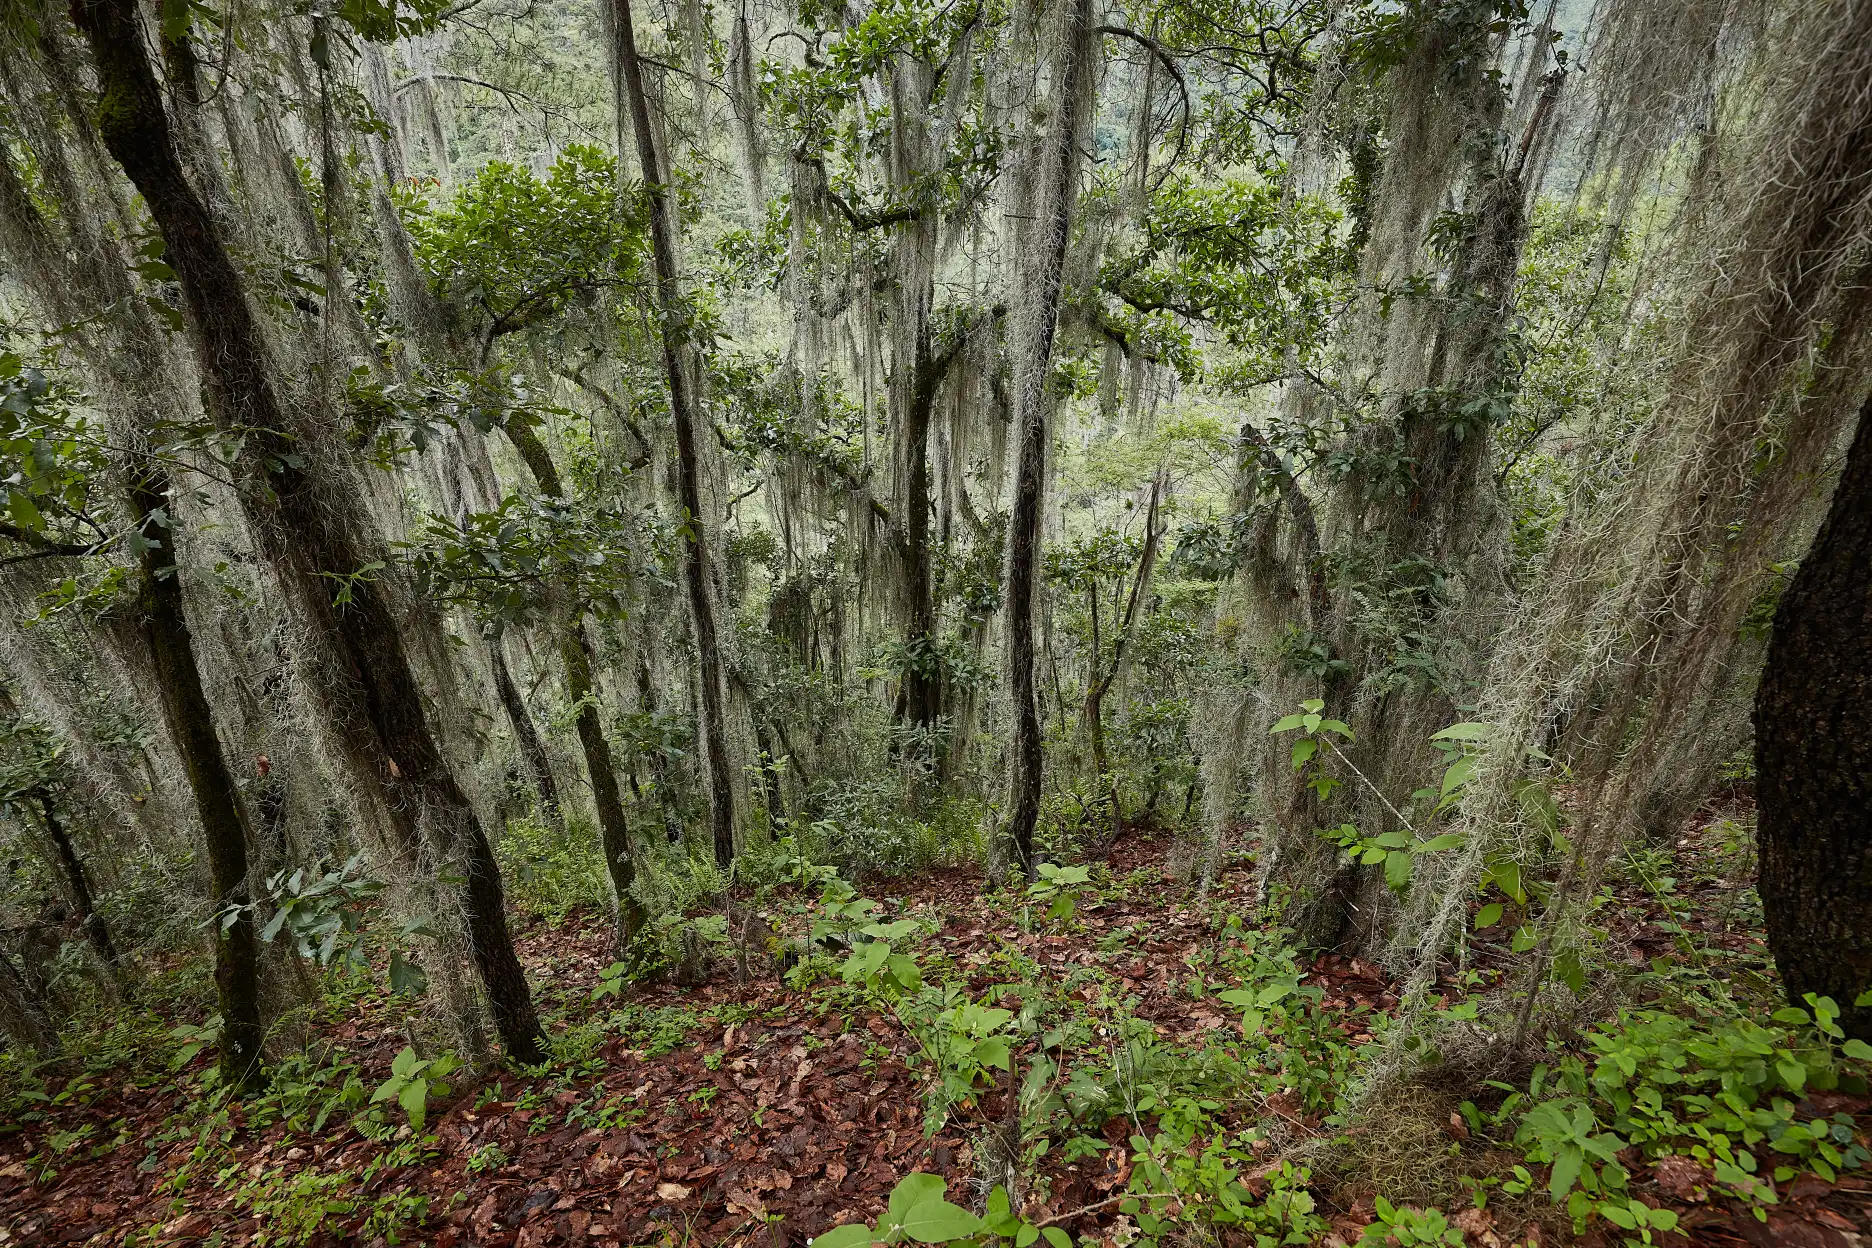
(756, 1113)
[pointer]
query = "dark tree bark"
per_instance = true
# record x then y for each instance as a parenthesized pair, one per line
(1813, 757)
(575, 654)
(217, 801)
(922, 682)
(77, 880)
(22, 1015)
(526, 733)
(712, 723)
(301, 527)
(1031, 403)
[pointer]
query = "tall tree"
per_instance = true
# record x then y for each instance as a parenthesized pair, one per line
(103, 298)
(1813, 757)
(1038, 321)
(292, 509)
(217, 802)
(711, 709)
(575, 652)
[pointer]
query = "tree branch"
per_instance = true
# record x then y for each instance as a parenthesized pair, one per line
(1176, 71)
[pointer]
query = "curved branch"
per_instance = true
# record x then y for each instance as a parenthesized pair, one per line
(1176, 72)
(42, 546)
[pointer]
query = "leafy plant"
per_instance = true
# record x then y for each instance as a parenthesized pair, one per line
(917, 1213)
(1315, 731)
(412, 1081)
(1722, 1092)
(965, 1041)
(1404, 1227)
(1058, 888)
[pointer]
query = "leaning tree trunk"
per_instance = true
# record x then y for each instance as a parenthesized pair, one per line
(374, 689)
(575, 654)
(77, 881)
(1031, 401)
(526, 735)
(224, 829)
(711, 719)
(1813, 757)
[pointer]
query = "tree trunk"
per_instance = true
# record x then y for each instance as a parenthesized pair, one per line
(217, 804)
(922, 674)
(712, 725)
(526, 735)
(22, 1016)
(78, 881)
(1813, 757)
(374, 690)
(1031, 401)
(575, 654)
(613, 830)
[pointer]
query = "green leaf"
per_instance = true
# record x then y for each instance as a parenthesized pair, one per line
(912, 1190)
(1619, 1216)
(938, 1222)
(993, 1052)
(1397, 870)
(1437, 844)
(905, 971)
(1303, 750)
(405, 1063)
(1286, 723)
(1488, 916)
(414, 1099)
(1057, 1237)
(407, 979)
(1566, 1169)
(1458, 774)
(851, 1235)
(1858, 1050)
(1028, 1234)
(25, 512)
(1000, 1213)
(1465, 731)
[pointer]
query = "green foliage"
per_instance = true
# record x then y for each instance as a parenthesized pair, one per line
(533, 552)
(1058, 889)
(1258, 266)
(1721, 1091)
(917, 1213)
(1397, 1227)
(517, 249)
(321, 912)
(1313, 727)
(296, 1204)
(412, 1081)
(964, 1040)
(551, 873)
(51, 459)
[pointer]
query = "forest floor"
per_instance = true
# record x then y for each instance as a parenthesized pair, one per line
(758, 1113)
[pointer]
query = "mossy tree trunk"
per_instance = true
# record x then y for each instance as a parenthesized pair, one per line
(1033, 426)
(301, 528)
(575, 655)
(712, 726)
(217, 802)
